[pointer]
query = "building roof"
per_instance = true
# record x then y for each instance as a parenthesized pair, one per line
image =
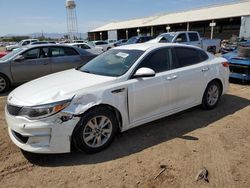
(202, 14)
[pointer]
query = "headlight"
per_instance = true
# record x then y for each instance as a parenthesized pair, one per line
(42, 111)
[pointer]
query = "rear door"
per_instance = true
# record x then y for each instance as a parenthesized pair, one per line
(190, 72)
(63, 58)
(35, 64)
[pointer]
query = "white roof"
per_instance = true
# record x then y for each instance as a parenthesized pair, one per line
(206, 13)
(147, 45)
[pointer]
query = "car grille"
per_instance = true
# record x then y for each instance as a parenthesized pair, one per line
(13, 110)
(241, 69)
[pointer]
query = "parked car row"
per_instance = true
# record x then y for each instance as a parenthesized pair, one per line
(28, 63)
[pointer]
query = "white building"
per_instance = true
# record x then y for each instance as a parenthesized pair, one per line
(228, 19)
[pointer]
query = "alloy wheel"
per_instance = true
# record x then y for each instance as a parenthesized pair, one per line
(3, 84)
(97, 131)
(213, 95)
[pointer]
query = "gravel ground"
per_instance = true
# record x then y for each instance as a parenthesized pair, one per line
(183, 144)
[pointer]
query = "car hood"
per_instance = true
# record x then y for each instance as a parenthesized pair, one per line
(56, 87)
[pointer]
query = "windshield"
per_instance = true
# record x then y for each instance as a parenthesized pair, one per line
(114, 62)
(166, 36)
(11, 54)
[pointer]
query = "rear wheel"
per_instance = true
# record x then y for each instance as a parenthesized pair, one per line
(211, 95)
(95, 131)
(4, 83)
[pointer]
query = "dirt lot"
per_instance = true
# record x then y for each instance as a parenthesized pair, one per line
(218, 140)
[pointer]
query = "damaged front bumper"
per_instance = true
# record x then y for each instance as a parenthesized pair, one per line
(47, 135)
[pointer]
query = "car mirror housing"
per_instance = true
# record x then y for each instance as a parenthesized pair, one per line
(19, 58)
(144, 72)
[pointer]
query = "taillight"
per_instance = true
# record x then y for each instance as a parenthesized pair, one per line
(225, 64)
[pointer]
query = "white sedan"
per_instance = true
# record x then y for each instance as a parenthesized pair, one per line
(92, 49)
(122, 88)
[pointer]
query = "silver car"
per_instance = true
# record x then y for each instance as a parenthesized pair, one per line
(27, 63)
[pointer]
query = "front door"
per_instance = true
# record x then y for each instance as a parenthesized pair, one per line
(149, 97)
(35, 64)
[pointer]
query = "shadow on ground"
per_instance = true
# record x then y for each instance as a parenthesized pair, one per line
(148, 135)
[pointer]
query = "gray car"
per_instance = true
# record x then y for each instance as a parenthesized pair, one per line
(28, 63)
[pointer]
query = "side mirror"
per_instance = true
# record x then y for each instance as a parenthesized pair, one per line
(144, 72)
(19, 58)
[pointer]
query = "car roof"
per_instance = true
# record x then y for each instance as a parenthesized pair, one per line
(48, 45)
(146, 46)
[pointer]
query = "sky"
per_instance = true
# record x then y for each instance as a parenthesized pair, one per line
(49, 16)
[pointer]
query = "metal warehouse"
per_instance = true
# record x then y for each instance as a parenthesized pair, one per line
(214, 21)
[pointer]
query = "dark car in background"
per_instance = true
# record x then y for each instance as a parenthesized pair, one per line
(138, 39)
(120, 42)
(28, 63)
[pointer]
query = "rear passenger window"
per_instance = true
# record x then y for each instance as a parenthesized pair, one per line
(193, 37)
(57, 52)
(203, 55)
(187, 56)
(159, 61)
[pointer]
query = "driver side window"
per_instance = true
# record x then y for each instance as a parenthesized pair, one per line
(31, 54)
(159, 60)
(181, 38)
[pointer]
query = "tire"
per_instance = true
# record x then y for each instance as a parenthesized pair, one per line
(211, 95)
(4, 83)
(90, 136)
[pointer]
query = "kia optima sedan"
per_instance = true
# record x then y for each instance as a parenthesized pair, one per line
(31, 62)
(122, 88)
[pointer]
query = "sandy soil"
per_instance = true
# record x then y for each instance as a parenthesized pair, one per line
(186, 142)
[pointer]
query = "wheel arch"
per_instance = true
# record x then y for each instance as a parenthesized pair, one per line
(117, 113)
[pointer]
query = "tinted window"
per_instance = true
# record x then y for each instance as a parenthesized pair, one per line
(43, 53)
(193, 36)
(70, 51)
(57, 51)
(187, 56)
(159, 60)
(181, 38)
(203, 55)
(100, 43)
(31, 54)
(25, 43)
(84, 46)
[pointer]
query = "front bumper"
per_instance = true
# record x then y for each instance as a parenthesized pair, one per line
(48, 135)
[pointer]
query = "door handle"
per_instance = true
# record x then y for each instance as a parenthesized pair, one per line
(205, 69)
(172, 77)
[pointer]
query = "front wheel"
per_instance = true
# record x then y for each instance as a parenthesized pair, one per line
(95, 131)
(211, 95)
